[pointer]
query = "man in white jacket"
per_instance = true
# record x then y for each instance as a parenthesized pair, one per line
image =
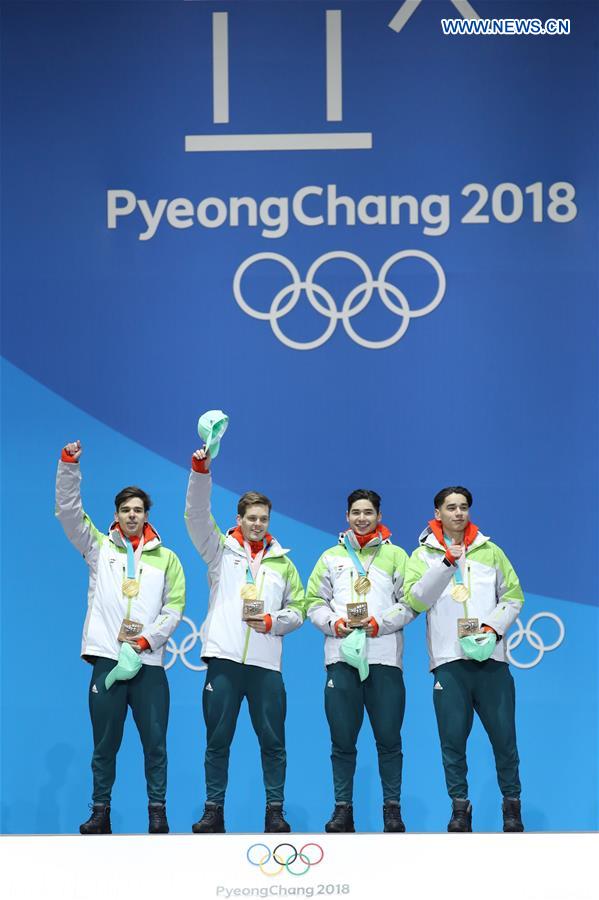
(136, 595)
(256, 597)
(471, 596)
(364, 569)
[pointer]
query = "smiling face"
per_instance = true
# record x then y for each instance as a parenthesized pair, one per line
(454, 514)
(132, 516)
(363, 517)
(254, 522)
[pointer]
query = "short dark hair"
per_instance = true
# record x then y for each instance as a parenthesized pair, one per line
(445, 492)
(363, 494)
(252, 498)
(128, 493)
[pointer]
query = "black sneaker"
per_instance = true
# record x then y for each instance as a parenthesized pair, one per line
(342, 820)
(274, 821)
(392, 820)
(461, 816)
(512, 816)
(157, 821)
(99, 821)
(212, 822)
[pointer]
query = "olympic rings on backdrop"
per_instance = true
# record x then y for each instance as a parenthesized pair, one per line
(323, 302)
(188, 643)
(534, 639)
(513, 641)
(284, 856)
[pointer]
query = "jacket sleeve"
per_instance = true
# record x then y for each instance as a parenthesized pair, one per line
(399, 614)
(173, 605)
(423, 585)
(203, 530)
(292, 614)
(509, 595)
(319, 595)
(77, 526)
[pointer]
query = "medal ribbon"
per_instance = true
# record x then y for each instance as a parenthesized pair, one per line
(253, 564)
(459, 572)
(133, 564)
(356, 559)
(133, 557)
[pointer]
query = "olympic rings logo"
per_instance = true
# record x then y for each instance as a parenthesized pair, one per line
(284, 856)
(323, 302)
(534, 639)
(188, 643)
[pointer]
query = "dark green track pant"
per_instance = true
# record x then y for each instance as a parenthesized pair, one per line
(227, 683)
(148, 696)
(486, 688)
(384, 697)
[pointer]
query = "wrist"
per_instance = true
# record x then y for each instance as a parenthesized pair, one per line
(487, 629)
(336, 627)
(199, 465)
(66, 457)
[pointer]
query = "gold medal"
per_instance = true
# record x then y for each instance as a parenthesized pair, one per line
(362, 585)
(460, 593)
(249, 592)
(130, 587)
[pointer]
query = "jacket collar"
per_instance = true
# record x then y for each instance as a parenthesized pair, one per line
(151, 536)
(381, 535)
(432, 536)
(255, 546)
(470, 532)
(273, 549)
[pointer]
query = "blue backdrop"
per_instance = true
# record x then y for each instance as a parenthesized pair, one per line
(131, 283)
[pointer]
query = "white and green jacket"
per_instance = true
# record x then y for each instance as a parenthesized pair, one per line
(331, 588)
(161, 599)
(495, 599)
(224, 634)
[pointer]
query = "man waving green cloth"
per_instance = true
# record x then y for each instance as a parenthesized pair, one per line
(359, 584)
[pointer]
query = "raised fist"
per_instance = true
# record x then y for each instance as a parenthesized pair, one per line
(73, 449)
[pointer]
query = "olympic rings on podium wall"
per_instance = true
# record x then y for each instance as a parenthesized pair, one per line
(284, 856)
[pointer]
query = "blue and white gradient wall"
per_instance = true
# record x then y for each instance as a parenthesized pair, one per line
(130, 291)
